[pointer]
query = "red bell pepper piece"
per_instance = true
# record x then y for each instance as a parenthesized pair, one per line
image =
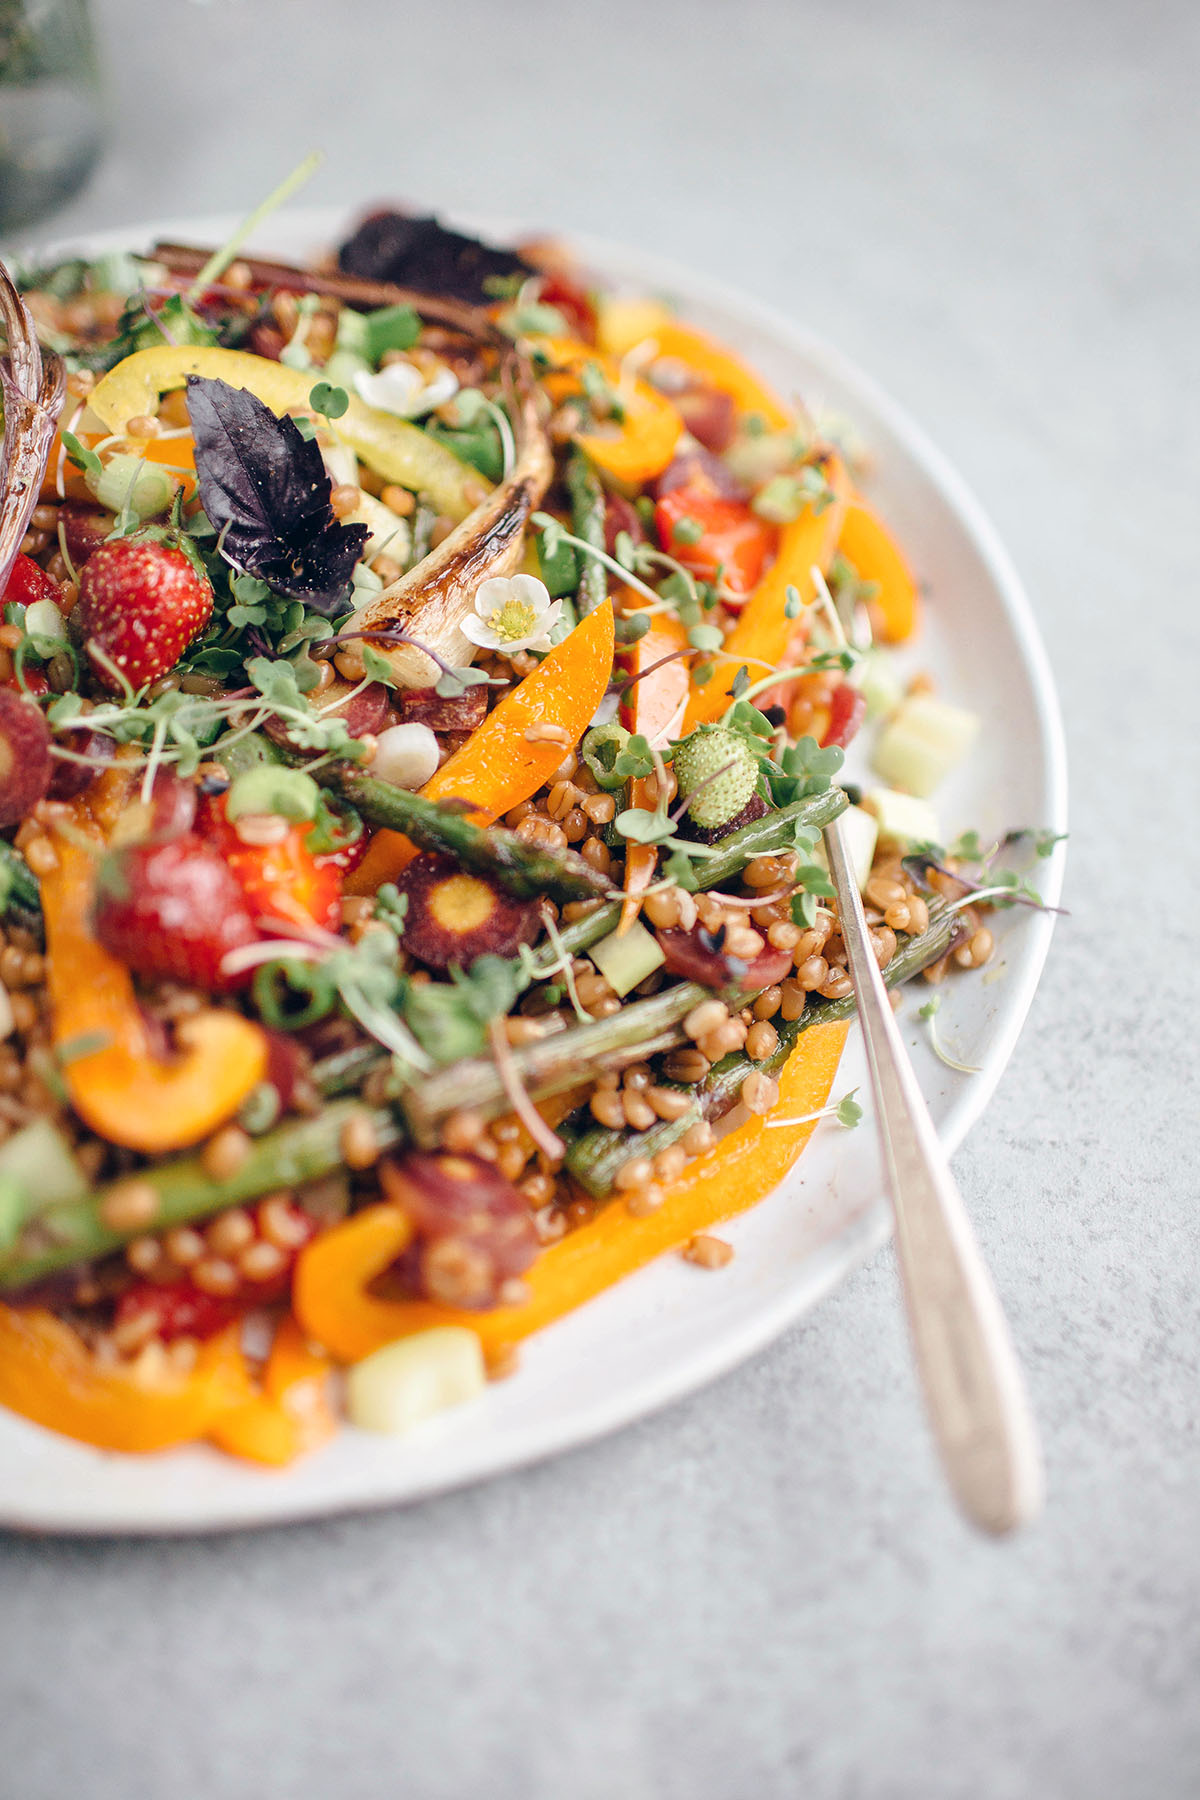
(733, 543)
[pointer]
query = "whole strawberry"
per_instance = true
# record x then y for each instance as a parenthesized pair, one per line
(172, 909)
(142, 602)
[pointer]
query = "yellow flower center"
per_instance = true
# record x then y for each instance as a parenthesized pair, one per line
(514, 620)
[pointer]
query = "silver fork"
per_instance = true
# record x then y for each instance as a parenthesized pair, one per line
(974, 1392)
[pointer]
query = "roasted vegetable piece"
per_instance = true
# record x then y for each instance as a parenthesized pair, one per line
(521, 869)
(459, 1226)
(732, 1177)
(474, 1230)
(588, 521)
(32, 385)
(453, 916)
(697, 955)
(183, 1191)
(429, 603)
(510, 756)
(48, 1374)
(121, 1088)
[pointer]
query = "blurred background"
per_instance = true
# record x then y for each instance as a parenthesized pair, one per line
(992, 209)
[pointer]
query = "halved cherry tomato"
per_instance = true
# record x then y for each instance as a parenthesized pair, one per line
(283, 880)
(28, 582)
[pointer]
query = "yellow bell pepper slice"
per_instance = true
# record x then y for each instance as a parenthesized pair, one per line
(643, 443)
(394, 448)
(708, 360)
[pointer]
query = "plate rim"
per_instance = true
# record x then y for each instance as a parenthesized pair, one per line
(830, 1263)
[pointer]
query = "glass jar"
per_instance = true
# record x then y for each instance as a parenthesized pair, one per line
(51, 123)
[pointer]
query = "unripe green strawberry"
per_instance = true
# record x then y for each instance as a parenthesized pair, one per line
(720, 769)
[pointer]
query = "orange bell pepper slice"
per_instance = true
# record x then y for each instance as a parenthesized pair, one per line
(333, 1274)
(290, 1414)
(721, 369)
(498, 767)
(735, 1174)
(762, 633)
(654, 707)
(639, 446)
(122, 1089)
(869, 545)
(49, 1375)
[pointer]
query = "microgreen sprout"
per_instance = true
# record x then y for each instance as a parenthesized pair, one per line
(846, 1111)
(929, 1013)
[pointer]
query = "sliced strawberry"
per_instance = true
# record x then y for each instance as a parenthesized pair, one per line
(847, 710)
(142, 603)
(173, 909)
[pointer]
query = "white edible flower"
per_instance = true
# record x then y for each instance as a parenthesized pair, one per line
(401, 388)
(512, 612)
(406, 756)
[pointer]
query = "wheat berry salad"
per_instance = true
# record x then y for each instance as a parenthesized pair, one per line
(424, 680)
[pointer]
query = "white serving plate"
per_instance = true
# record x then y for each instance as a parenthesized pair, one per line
(671, 1328)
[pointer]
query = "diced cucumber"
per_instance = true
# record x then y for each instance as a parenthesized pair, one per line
(624, 961)
(14, 1210)
(901, 818)
(878, 681)
(39, 1160)
(129, 483)
(409, 1381)
(925, 740)
(859, 831)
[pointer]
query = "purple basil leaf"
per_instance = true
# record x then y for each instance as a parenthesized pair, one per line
(265, 488)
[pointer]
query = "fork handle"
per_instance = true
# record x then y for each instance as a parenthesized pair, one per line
(974, 1392)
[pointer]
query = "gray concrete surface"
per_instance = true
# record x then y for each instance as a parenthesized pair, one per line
(764, 1592)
